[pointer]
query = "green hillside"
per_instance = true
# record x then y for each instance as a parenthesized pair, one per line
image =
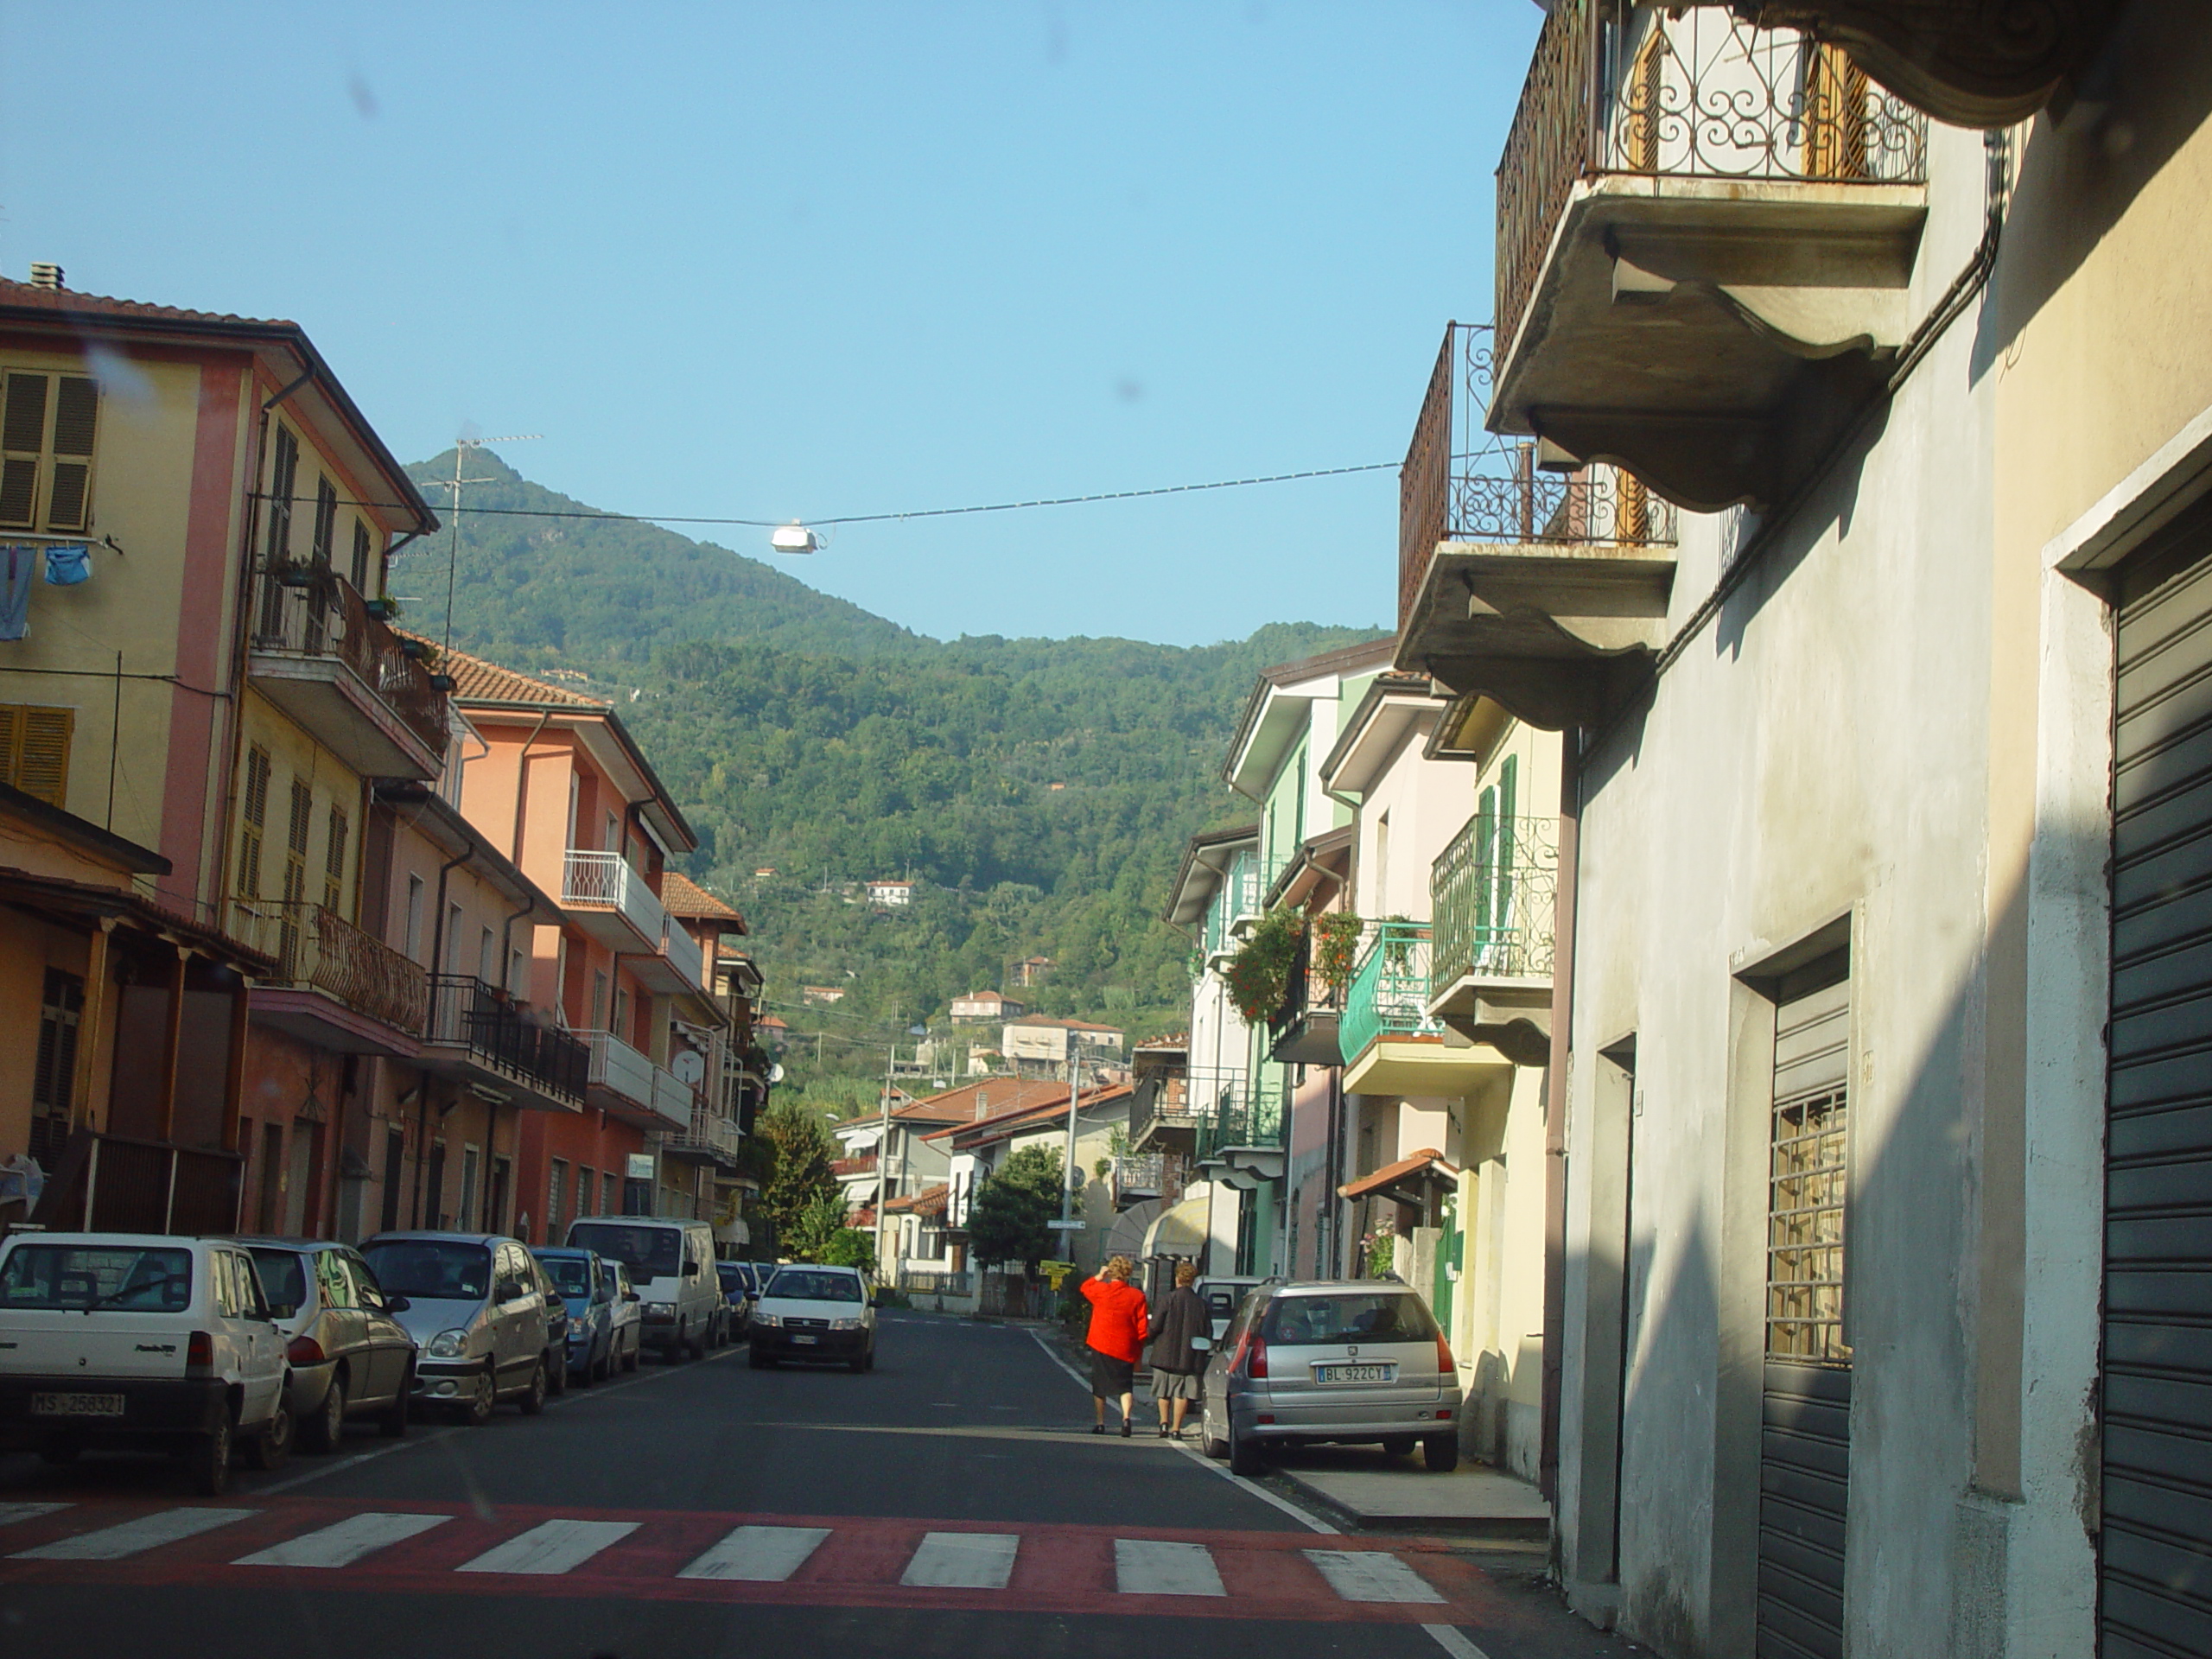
(1039, 792)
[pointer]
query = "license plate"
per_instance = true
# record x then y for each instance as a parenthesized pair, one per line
(1354, 1373)
(807, 1341)
(77, 1405)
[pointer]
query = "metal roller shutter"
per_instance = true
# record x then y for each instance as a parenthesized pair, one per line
(2156, 1579)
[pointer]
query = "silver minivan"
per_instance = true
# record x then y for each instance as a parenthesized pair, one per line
(671, 1266)
(1344, 1360)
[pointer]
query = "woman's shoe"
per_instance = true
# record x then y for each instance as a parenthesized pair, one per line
(1098, 1428)
(1163, 1431)
(1125, 1428)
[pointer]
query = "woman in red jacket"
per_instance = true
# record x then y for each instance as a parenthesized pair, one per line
(1118, 1329)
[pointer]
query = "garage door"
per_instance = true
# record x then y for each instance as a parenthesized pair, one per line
(2157, 1570)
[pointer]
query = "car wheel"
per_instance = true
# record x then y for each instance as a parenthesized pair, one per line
(532, 1400)
(1213, 1448)
(209, 1460)
(391, 1422)
(759, 1361)
(1397, 1446)
(326, 1426)
(589, 1375)
(478, 1411)
(637, 1354)
(1243, 1452)
(556, 1373)
(273, 1443)
(1440, 1452)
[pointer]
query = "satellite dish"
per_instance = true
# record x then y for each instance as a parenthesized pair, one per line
(689, 1066)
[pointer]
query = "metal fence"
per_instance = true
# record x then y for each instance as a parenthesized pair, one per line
(605, 880)
(1390, 991)
(1491, 892)
(309, 610)
(466, 1012)
(318, 949)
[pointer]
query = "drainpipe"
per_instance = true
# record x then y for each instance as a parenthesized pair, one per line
(1555, 1097)
(522, 789)
(438, 923)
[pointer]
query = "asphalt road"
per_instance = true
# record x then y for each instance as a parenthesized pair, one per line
(951, 1502)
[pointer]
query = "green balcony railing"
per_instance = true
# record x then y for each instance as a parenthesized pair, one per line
(1242, 1114)
(1390, 991)
(1491, 892)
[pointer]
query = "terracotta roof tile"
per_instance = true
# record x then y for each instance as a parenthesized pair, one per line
(681, 896)
(68, 300)
(475, 680)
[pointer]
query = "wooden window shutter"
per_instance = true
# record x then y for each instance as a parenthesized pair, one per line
(333, 864)
(76, 419)
(361, 550)
(284, 474)
(23, 445)
(35, 750)
(326, 521)
(256, 815)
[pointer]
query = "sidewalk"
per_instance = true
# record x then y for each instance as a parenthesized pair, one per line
(1397, 1493)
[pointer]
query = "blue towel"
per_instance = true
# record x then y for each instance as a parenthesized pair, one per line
(18, 565)
(67, 565)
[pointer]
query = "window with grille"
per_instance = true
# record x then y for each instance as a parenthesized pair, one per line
(35, 750)
(254, 815)
(587, 1184)
(1809, 1178)
(556, 1189)
(54, 1075)
(333, 863)
(48, 423)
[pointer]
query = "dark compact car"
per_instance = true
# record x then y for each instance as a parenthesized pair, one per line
(348, 1353)
(739, 1291)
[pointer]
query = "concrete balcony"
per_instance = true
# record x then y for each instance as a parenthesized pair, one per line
(1490, 959)
(612, 902)
(482, 1037)
(1705, 232)
(710, 1139)
(624, 1083)
(347, 679)
(334, 986)
(677, 967)
(1391, 1044)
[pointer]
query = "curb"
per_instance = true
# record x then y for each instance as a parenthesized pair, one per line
(1498, 1528)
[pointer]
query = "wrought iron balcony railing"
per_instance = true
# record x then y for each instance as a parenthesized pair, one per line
(1241, 1113)
(1390, 991)
(1491, 891)
(309, 610)
(317, 949)
(1138, 1174)
(1688, 92)
(1461, 484)
(606, 881)
(466, 1012)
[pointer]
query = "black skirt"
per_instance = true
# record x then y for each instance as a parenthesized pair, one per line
(1111, 1378)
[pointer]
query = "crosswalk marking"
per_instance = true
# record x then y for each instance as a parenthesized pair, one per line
(1143, 1567)
(553, 1547)
(346, 1542)
(963, 1561)
(11, 1513)
(1370, 1575)
(147, 1532)
(757, 1554)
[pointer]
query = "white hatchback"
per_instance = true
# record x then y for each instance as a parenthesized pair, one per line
(815, 1313)
(139, 1341)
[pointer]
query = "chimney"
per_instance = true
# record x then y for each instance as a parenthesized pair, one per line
(45, 275)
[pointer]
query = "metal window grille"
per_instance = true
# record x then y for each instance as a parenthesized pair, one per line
(1808, 1177)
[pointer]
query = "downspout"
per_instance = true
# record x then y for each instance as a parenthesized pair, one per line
(438, 923)
(1556, 1075)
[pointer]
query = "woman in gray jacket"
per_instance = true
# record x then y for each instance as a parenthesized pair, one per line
(1177, 1367)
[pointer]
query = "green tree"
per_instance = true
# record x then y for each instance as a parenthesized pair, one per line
(1006, 1219)
(795, 1147)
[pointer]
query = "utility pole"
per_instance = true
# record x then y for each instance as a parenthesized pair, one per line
(1067, 1163)
(461, 448)
(883, 1154)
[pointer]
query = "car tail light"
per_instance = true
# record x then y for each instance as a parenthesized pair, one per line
(1258, 1366)
(1445, 1364)
(305, 1351)
(199, 1355)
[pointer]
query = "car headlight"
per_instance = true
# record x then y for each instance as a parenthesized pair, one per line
(844, 1325)
(768, 1320)
(448, 1345)
(660, 1310)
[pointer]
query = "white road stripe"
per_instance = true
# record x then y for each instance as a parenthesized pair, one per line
(963, 1561)
(759, 1554)
(346, 1542)
(555, 1546)
(1449, 1637)
(1145, 1567)
(147, 1532)
(1370, 1575)
(11, 1513)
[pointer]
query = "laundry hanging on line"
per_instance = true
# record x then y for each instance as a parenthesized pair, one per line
(18, 564)
(68, 563)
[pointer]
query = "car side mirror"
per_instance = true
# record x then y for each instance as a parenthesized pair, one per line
(691, 1270)
(396, 1305)
(631, 1296)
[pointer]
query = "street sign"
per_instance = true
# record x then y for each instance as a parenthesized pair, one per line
(1067, 1226)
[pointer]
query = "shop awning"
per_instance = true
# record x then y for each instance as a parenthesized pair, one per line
(1409, 1180)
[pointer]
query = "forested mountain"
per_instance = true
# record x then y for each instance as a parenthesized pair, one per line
(1039, 792)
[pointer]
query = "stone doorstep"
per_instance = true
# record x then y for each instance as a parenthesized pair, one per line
(1468, 1504)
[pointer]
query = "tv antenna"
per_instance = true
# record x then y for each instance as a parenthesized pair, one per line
(461, 446)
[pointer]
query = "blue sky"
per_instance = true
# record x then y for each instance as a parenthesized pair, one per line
(775, 261)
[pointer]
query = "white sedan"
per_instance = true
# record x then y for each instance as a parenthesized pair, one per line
(815, 1313)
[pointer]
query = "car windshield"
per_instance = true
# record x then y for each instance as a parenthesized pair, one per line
(732, 1276)
(571, 1274)
(650, 1252)
(812, 1285)
(1386, 1316)
(283, 1277)
(96, 1276)
(434, 1269)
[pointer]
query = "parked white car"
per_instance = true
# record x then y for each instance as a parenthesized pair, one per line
(673, 1267)
(140, 1340)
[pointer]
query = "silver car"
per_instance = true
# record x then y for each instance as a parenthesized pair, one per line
(1351, 1359)
(477, 1307)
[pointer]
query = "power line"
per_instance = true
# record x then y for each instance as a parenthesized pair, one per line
(885, 518)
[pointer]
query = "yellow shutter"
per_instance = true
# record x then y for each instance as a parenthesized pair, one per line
(34, 751)
(255, 813)
(76, 418)
(22, 439)
(333, 865)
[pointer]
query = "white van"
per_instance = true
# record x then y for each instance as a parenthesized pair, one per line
(136, 1339)
(672, 1269)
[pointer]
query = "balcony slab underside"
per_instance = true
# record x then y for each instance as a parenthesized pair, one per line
(324, 1022)
(638, 1115)
(663, 975)
(1310, 1038)
(329, 700)
(1167, 1132)
(1512, 1015)
(473, 1069)
(606, 923)
(1410, 1067)
(1712, 336)
(1556, 633)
